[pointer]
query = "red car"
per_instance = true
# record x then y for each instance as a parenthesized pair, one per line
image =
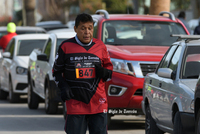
(136, 44)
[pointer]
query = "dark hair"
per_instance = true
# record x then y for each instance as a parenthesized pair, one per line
(181, 14)
(83, 17)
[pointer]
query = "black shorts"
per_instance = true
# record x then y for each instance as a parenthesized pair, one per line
(78, 124)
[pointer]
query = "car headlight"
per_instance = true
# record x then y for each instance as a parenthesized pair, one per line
(121, 66)
(192, 105)
(21, 70)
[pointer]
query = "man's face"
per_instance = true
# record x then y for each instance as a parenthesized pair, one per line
(84, 32)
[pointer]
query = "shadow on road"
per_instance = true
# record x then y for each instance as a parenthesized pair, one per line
(127, 124)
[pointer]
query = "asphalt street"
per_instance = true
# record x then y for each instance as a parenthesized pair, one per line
(19, 119)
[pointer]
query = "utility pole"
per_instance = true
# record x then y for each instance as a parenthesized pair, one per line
(159, 5)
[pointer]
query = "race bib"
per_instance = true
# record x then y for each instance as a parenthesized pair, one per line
(85, 70)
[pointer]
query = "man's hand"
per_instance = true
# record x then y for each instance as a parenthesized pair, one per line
(102, 72)
(66, 94)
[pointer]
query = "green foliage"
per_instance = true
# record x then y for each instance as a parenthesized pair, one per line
(181, 4)
(117, 6)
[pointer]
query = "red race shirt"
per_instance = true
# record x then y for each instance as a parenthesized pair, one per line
(77, 63)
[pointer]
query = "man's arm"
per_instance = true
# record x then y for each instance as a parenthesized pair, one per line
(107, 65)
(58, 69)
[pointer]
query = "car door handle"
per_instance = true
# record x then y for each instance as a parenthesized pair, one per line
(160, 84)
(150, 81)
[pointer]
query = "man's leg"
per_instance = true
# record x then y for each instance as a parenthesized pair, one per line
(76, 124)
(97, 123)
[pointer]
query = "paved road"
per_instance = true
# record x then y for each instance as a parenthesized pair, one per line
(18, 119)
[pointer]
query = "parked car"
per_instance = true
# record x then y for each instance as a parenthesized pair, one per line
(61, 30)
(168, 93)
(51, 25)
(136, 44)
(14, 64)
(23, 30)
(197, 101)
(41, 83)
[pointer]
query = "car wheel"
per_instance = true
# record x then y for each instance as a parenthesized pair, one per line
(150, 124)
(197, 123)
(3, 94)
(32, 99)
(64, 110)
(13, 98)
(51, 107)
(178, 127)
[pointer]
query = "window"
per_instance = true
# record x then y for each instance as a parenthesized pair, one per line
(191, 63)
(47, 49)
(174, 61)
(95, 29)
(25, 47)
(10, 47)
(127, 32)
(166, 58)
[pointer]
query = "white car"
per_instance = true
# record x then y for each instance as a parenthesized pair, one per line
(14, 64)
(41, 82)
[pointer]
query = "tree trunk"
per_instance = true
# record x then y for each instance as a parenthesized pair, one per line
(29, 8)
(158, 6)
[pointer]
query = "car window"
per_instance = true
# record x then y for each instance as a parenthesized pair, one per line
(95, 29)
(191, 63)
(29, 32)
(126, 32)
(12, 41)
(47, 49)
(166, 58)
(59, 41)
(25, 47)
(174, 61)
(10, 47)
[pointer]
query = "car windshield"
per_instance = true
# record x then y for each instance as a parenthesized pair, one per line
(59, 41)
(125, 32)
(191, 66)
(25, 47)
(29, 32)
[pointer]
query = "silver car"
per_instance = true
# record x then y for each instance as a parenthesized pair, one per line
(168, 93)
(41, 83)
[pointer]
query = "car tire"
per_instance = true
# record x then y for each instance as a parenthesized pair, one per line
(197, 123)
(64, 110)
(150, 124)
(178, 127)
(3, 94)
(13, 98)
(32, 99)
(51, 107)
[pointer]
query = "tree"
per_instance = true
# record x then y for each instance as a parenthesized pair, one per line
(51, 10)
(90, 6)
(28, 12)
(159, 5)
(117, 6)
(181, 4)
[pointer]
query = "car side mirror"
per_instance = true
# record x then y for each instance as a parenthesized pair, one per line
(6, 54)
(42, 57)
(166, 73)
